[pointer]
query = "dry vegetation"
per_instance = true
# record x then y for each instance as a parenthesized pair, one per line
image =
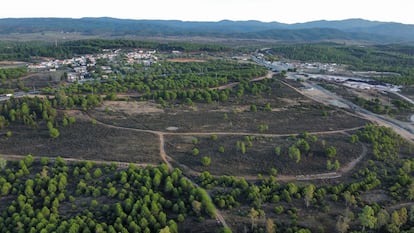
(84, 140)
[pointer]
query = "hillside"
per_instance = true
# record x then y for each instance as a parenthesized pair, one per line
(350, 30)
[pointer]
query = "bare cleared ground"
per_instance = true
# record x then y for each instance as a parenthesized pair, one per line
(11, 64)
(84, 140)
(131, 107)
(185, 60)
(297, 119)
(291, 113)
(260, 158)
(42, 79)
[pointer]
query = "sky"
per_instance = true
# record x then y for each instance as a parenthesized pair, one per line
(284, 11)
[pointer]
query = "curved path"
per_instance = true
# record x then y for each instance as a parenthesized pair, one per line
(167, 160)
(285, 178)
(73, 160)
(164, 156)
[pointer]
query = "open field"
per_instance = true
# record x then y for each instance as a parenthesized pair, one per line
(288, 121)
(260, 157)
(12, 64)
(185, 60)
(42, 79)
(84, 140)
(290, 113)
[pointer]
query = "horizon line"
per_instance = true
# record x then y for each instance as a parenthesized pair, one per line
(202, 21)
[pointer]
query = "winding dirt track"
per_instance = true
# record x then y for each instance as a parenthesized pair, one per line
(164, 156)
(167, 159)
(73, 160)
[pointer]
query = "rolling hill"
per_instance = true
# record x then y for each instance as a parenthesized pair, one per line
(350, 29)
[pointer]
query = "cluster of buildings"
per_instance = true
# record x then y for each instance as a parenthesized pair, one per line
(144, 57)
(319, 70)
(82, 68)
(276, 66)
(279, 66)
(318, 67)
(358, 83)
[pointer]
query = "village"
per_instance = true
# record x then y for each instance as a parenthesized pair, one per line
(88, 67)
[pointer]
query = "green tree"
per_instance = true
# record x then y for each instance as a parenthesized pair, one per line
(303, 145)
(336, 165)
(330, 152)
(221, 149)
(54, 133)
(206, 161)
(294, 153)
(97, 173)
(253, 108)
(195, 151)
(3, 163)
(165, 230)
(403, 214)
(350, 200)
(65, 121)
(5, 189)
(354, 138)
(28, 160)
(367, 218)
(308, 193)
(278, 150)
(112, 191)
(383, 217)
(262, 128)
(395, 219)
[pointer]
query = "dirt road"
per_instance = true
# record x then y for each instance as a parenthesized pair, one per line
(326, 97)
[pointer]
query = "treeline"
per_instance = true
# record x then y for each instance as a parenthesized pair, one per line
(169, 81)
(162, 46)
(389, 58)
(37, 112)
(52, 196)
(385, 142)
(12, 73)
(26, 51)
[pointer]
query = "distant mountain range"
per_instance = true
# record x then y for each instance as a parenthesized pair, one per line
(349, 30)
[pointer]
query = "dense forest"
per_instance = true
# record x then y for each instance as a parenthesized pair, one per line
(27, 51)
(54, 196)
(193, 81)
